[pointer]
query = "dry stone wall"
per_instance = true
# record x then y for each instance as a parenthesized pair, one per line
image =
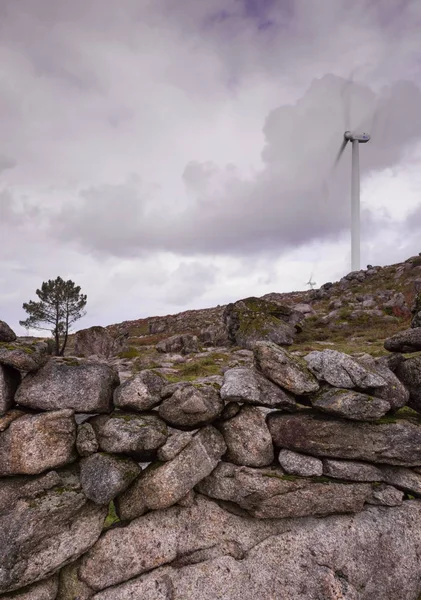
(298, 478)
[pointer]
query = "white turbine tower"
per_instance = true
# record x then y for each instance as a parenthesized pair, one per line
(356, 139)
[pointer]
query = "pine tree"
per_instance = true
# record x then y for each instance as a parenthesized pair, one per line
(60, 305)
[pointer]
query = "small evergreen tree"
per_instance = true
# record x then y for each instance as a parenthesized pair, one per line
(60, 305)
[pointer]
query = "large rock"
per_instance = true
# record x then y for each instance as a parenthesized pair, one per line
(23, 357)
(409, 373)
(341, 371)
(294, 463)
(104, 476)
(191, 406)
(177, 440)
(405, 479)
(45, 527)
(248, 438)
(164, 485)
(9, 380)
(416, 307)
(253, 319)
(83, 387)
(179, 344)
(34, 443)
(287, 371)
(6, 333)
(373, 554)
(96, 341)
(351, 470)
(160, 537)
(140, 392)
(44, 590)
(350, 404)
(394, 391)
(405, 341)
(270, 494)
(395, 441)
(251, 387)
(139, 436)
(214, 334)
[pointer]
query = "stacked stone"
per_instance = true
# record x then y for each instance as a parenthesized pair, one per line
(219, 491)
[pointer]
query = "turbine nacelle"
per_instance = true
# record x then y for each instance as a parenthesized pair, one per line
(362, 138)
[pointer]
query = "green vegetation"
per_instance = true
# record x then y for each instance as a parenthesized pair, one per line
(130, 353)
(112, 516)
(200, 367)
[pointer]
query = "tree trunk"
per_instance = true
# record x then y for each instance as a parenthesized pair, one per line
(57, 339)
(66, 333)
(64, 343)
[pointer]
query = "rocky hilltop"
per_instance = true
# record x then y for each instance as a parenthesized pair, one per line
(353, 315)
(235, 453)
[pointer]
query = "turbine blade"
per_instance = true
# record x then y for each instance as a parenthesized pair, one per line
(346, 95)
(341, 151)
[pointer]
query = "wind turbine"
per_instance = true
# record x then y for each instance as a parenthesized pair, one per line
(310, 282)
(356, 138)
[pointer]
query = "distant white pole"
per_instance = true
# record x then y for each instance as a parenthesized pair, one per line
(355, 207)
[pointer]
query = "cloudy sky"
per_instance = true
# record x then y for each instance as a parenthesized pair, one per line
(176, 154)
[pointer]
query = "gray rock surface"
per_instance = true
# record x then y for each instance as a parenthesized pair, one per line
(83, 387)
(139, 436)
(294, 463)
(9, 417)
(373, 554)
(44, 590)
(351, 470)
(42, 531)
(404, 479)
(70, 586)
(409, 373)
(9, 380)
(270, 494)
(191, 406)
(350, 404)
(341, 371)
(140, 392)
(23, 357)
(249, 386)
(397, 442)
(104, 476)
(230, 410)
(254, 319)
(248, 438)
(86, 442)
(287, 371)
(34, 443)
(6, 333)
(386, 495)
(96, 341)
(177, 440)
(164, 485)
(160, 537)
(394, 391)
(405, 341)
(179, 344)
(14, 488)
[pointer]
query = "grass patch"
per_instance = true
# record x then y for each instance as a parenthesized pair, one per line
(130, 353)
(111, 517)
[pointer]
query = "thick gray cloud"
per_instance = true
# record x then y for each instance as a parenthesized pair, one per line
(167, 154)
(294, 199)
